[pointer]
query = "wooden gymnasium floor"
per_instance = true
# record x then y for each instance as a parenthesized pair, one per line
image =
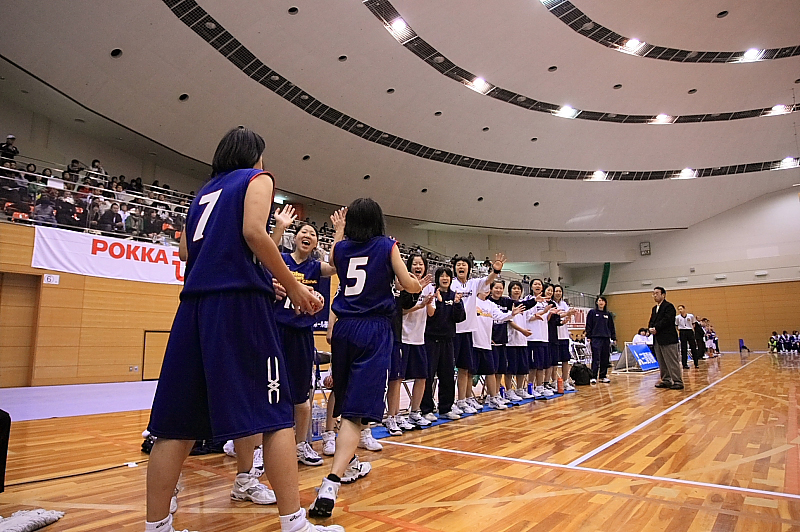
(613, 457)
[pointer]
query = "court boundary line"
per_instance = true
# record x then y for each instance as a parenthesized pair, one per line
(594, 452)
(639, 476)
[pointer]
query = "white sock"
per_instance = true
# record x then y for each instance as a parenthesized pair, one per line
(294, 522)
(165, 525)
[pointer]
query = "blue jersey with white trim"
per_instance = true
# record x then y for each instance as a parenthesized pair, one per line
(308, 273)
(366, 278)
(219, 257)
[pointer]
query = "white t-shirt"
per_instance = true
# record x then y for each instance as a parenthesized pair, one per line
(650, 340)
(685, 323)
(563, 329)
(516, 338)
(538, 327)
(469, 295)
(414, 322)
(640, 339)
(486, 313)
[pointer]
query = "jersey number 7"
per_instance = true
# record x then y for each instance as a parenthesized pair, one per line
(360, 276)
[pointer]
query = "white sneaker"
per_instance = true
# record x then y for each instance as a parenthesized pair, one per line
(501, 400)
(368, 442)
(451, 415)
(308, 456)
(568, 387)
(416, 419)
(465, 407)
(547, 392)
(326, 499)
(329, 443)
(322, 528)
(356, 470)
(430, 416)
(512, 396)
(522, 393)
(536, 393)
(495, 404)
(228, 448)
(403, 423)
(248, 488)
(605, 380)
(593, 381)
(457, 411)
(173, 502)
(391, 426)
(471, 401)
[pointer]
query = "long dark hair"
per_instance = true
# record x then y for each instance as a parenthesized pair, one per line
(364, 220)
(443, 270)
(239, 148)
(410, 261)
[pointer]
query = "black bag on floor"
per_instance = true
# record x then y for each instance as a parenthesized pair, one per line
(580, 374)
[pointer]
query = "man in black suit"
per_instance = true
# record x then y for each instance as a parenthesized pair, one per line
(665, 341)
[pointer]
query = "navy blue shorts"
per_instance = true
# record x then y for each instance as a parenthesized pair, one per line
(361, 349)
(298, 349)
(487, 361)
(502, 360)
(415, 360)
(518, 359)
(540, 355)
(397, 363)
(462, 349)
(560, 352)
(224, 374)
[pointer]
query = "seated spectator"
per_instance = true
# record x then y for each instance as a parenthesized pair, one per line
(47, 173)
(123, 211)
(36, 184)
(182, 208)
(31, 169)
(137, 186)
(152, 223)
(111, 221)
(91, 216)
(162, 206)
(98, 168)
(7, 149)
(124, 184)
(121, 194)
(134, 224)
(151, 197)
(640, 337)
(74, 168)
(44, 211)
(65, 210)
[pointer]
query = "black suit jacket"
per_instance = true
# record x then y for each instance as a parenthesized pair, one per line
(664, 323)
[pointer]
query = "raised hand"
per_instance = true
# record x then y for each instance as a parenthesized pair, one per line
(499, 260)
(517, 309)
(425, 281)
(427, 300)
(286, 216)
(458, 297)
(338, 219)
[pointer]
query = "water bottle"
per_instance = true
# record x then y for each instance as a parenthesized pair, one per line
(502, 391)
(530, 388)
(317, 420)
(560, 385)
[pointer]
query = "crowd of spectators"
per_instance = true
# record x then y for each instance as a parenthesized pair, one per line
(86, 197)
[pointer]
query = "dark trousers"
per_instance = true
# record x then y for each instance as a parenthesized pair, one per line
(601, 353)
(441, 363)
(5, 432)
(688, 342)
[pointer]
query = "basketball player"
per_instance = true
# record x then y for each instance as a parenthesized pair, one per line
(565, 312)
(538, 340)
(519, 360)
(222, 377)
(361, 343)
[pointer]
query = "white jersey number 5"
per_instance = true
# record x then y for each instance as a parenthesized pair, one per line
(360, 276)
(209, 199)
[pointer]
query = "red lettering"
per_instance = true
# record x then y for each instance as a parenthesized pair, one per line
(161, 256)
(131, 254)
(177, 264)
(116, 250)
(98, 245)
(147, 254)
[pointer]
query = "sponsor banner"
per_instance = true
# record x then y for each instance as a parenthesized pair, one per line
(103, 256)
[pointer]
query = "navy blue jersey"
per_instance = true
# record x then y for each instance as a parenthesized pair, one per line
(500, 330)
(219, 258)
(366, 278)
(308, 273)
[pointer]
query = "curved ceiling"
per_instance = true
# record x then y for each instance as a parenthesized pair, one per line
(162, 59)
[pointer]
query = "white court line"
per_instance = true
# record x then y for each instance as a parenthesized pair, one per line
(640, 426)
(568, 467)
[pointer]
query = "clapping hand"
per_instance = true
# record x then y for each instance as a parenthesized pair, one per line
(338, 219)
(285, 217)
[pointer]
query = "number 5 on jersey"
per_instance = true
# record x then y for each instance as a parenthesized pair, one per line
(209, 199)
(360, 276)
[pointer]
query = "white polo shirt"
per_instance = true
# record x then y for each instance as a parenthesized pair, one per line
(469, 295)
(685, 323)
(538, 327)
(486, 314)
(414, 322)
(563, 329)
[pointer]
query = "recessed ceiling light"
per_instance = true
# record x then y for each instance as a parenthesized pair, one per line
(274, 78)
(465, 158)
(618, 86)
(523, 98)
(662, 118)
(80, 120)
(438, 59)
(437, 113)
(480, 198)
(692, 91)
(304, 96)
(424, 190)
(535, 203)
(437, 152)
(390, 91)
(210, 25)
(632, 44)
(359, 125)
(367, 176)
(399, 25)
(293, 10)
(789, 162)
(384, 135)
(306, 157)
(479, 85)
(753, 54)
(534, 139)
(722, 14)
(686, 173)
(779, 109)
(598, 175)
(567, 111)
(116, 52)
(692, 54)
(552, 68)
(342, 58)
(183, 97)
(486, 129)
(588, 26)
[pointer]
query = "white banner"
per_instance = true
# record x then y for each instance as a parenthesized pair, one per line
(103, 256)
